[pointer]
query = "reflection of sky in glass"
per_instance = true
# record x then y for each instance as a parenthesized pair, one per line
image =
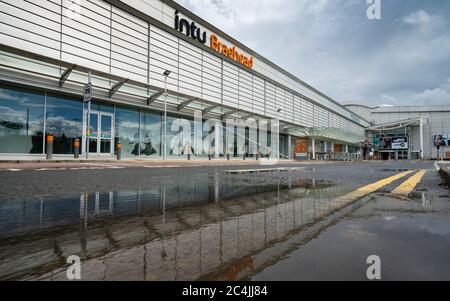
(150, 134)
(21, 121)
(21, 112)
(127, 130)
(64, 117)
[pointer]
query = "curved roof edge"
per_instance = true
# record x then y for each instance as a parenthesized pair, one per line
(360, 105)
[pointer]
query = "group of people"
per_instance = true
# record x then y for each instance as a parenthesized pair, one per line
(367, 152)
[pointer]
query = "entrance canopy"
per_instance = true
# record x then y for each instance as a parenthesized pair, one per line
(395, 125)
(329, 134)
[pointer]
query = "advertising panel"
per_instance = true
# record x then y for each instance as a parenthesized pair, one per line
(393, 143)
(441, 140)
(400, 143)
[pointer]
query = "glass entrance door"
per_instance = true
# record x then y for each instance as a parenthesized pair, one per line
(101, 133)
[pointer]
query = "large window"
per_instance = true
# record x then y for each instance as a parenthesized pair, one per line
(127, 131)
(150, 134)
(64, 121)
(21, 121)
(177, 140)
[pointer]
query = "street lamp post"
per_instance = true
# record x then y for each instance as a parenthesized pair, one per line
(278, 124)
(166, 75)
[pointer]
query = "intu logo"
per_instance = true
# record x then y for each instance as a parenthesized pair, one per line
(189, 28)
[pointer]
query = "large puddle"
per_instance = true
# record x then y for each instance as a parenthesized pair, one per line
(180, 228)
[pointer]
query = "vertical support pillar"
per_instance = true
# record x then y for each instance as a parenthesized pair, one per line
(314, 149)
(290, 147)
(217, 142)
(346, 149)
(421, 138)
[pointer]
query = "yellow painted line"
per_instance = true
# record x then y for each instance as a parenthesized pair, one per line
(408, 186)
(368, 189)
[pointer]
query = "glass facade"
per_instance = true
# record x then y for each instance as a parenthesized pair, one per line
(151, 134)
(127, 131)
(140, 132)
(21, 121)
(177, 146)
(64, 120)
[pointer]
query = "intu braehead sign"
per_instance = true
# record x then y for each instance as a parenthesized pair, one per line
(192, 30)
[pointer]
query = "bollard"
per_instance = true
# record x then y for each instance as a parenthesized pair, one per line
(228, 157)
(209, 157)
(49, 147)
(189, 157)
(119, 151)
(76, 146)
(243, 157)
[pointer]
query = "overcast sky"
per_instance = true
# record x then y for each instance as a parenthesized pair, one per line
(403, 59)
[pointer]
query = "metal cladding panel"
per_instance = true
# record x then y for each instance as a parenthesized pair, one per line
(129, 47)
(414, 139)
(164, 55)
(322, 116)
(270, 100)
(297, 110)
(211, 78)
(30, 26)
(245, 90)
(289, 106)
(307, 109)
(316, 121)
(279, 101)
(258, 95)
(230, 85)
(83, 47)
(190, 62)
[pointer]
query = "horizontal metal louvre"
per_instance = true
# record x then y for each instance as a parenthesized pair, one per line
(270, 100)
(245, 90)
(212, 78)
(129, 46)
(258, 96)
(163, 56)
(297, 110)
(30, 26)
(230, 85)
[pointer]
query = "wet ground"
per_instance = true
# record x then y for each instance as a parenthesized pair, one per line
(223, 223)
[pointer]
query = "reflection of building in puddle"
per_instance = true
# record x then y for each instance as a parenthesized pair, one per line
(167, 233)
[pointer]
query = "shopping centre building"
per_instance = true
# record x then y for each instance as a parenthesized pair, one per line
(407, 132)
(151, 61)
(147, 59)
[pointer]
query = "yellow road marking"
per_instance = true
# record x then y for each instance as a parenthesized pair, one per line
(408, 186)
(368, 189)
